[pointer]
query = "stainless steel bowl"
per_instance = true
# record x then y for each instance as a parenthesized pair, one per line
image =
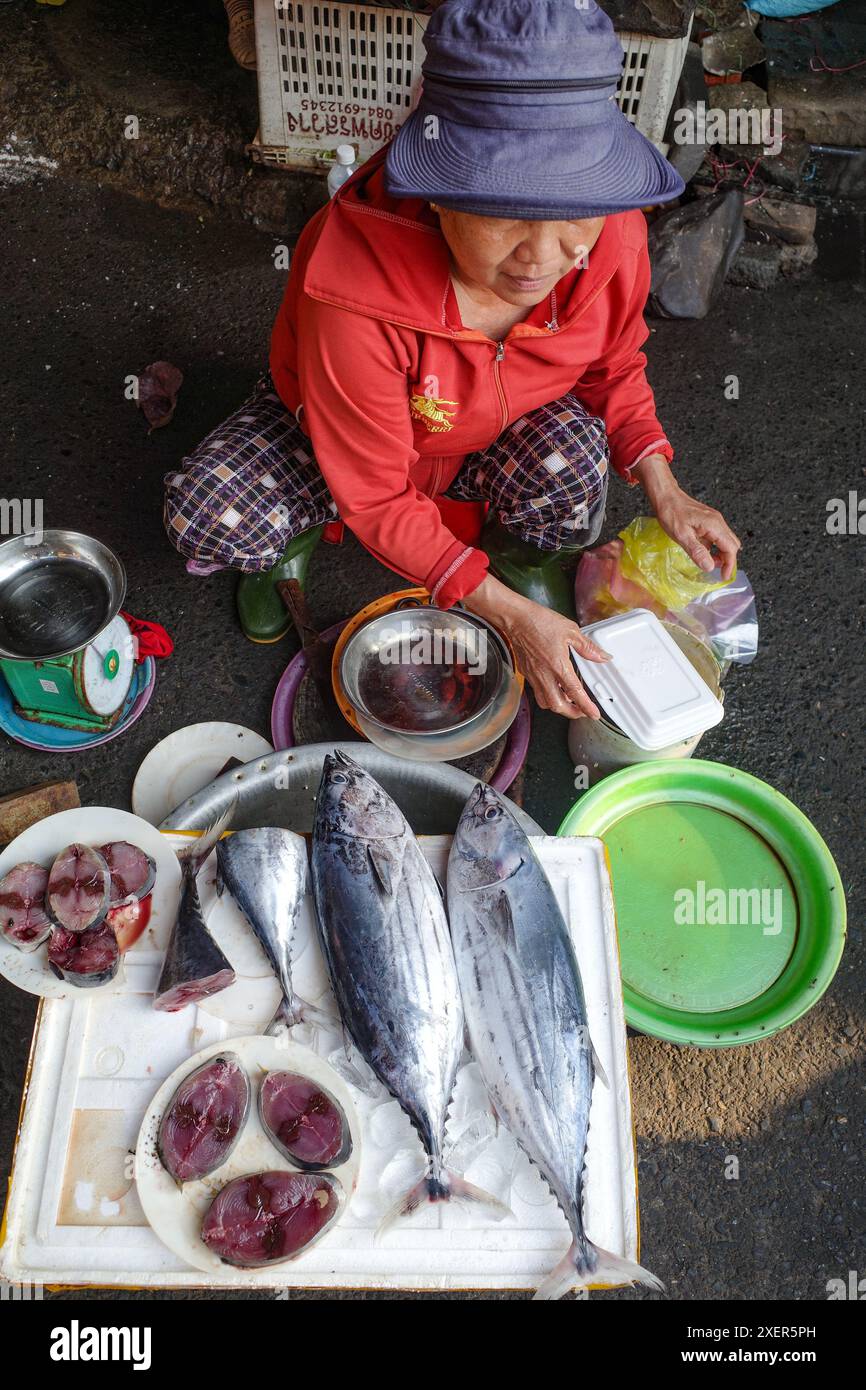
(280, 789)
(414, 661)
(56, 593)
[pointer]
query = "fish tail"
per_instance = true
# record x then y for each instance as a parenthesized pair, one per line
(441, 1185)
(193, 855)
(587, 1265)
(297, 1010)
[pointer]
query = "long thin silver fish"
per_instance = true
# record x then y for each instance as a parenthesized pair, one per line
(386, 943)
(265, 870)
(526, 1018)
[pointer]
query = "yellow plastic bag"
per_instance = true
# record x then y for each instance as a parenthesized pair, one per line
(651, 559)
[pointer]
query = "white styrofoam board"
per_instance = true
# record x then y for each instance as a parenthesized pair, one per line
(111, 1055)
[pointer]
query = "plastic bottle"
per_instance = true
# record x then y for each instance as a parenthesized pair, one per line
(343, 169)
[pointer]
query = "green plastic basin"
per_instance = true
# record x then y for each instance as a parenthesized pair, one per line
(730, 909)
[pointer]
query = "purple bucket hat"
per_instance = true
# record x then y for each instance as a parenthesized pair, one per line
(518, 117)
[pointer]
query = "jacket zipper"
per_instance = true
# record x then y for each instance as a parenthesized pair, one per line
(500, 354)
(516, 84)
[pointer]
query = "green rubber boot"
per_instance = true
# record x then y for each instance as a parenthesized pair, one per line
(536, 574)
(264, 617)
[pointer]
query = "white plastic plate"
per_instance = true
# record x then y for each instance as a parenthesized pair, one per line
(649, 688)
(176, 1213)
(188, 760)
(95, 826)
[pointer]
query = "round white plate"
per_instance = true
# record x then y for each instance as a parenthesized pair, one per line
(176, 1213)
(188, 760)
(95, 826)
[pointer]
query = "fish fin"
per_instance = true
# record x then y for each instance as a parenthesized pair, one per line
(380, 863)
(297, 1010)
(587, 1265)
(597, 1067)
(442, 1186)
(197, 851)
(502, 921)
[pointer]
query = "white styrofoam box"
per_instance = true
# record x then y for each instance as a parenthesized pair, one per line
(73, 1214)
(337, 73)
(649, 688)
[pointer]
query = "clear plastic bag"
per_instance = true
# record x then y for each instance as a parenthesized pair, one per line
(644, 568)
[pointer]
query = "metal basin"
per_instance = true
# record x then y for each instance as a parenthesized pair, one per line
(56, 594)
(437, 694)
(281, 788)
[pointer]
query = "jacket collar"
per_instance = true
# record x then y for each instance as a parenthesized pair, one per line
(386, 258)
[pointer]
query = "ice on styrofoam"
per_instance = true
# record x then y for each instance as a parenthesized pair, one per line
(439, 1246)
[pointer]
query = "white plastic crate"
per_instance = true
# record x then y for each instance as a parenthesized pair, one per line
(650, 75)
(335, 73)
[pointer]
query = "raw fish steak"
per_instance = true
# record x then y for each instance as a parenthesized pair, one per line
(264, 1218)
(204, 1119)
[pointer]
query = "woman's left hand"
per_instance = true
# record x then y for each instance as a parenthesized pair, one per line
(699, 529)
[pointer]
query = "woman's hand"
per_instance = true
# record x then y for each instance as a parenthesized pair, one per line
(692, 524)
(540, 638)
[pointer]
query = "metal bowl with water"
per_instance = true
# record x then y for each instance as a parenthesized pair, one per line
(423, 671)
(57, 593)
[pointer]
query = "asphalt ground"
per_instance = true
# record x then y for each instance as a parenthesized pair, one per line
(95, 286)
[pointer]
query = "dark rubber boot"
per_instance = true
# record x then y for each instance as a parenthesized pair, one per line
(534, 573)
(264, 617)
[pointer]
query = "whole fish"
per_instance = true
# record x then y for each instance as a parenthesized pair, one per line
(194, 966)
(386, 942)
(526, 1018)
(265, 870)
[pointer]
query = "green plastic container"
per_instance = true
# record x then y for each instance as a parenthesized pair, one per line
(730, 908)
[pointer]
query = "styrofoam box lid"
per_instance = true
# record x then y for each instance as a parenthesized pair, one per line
(649, 687)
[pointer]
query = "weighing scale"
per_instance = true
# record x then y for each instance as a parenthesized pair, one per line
(66, 653)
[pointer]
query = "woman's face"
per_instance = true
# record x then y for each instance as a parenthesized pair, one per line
(519, 261)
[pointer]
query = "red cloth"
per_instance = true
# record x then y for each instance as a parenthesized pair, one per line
(395, 391)
(151, 638)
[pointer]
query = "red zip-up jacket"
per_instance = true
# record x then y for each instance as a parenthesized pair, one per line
(369, 352)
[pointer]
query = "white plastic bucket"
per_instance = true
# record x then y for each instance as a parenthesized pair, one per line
(601, 748)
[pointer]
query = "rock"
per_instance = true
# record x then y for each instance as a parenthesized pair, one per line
(781, 219)
(787, 169)
(687, 157)
(732, 49)
(664, 19)
(691, 250)
(747, 120)
(759, 265)
(824, 108)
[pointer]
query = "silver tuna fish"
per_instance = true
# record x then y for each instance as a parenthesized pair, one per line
(526, 1018)
(265, 870)
(386, 943)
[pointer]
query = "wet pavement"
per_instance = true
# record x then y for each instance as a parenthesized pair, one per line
(96, 286)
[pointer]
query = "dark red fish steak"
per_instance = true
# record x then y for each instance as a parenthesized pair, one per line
(84, 958)
(133, 873)
(303, 1120)
(267, 1217)
(23, 919)
(77, 895)
(204, 1119)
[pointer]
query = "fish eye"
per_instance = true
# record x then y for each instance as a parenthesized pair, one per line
(339, 777)
(491, 813)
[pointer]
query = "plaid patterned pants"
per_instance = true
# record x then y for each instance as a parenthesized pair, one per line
(253, 484)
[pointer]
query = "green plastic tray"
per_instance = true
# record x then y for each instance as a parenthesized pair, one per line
(749, 952)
